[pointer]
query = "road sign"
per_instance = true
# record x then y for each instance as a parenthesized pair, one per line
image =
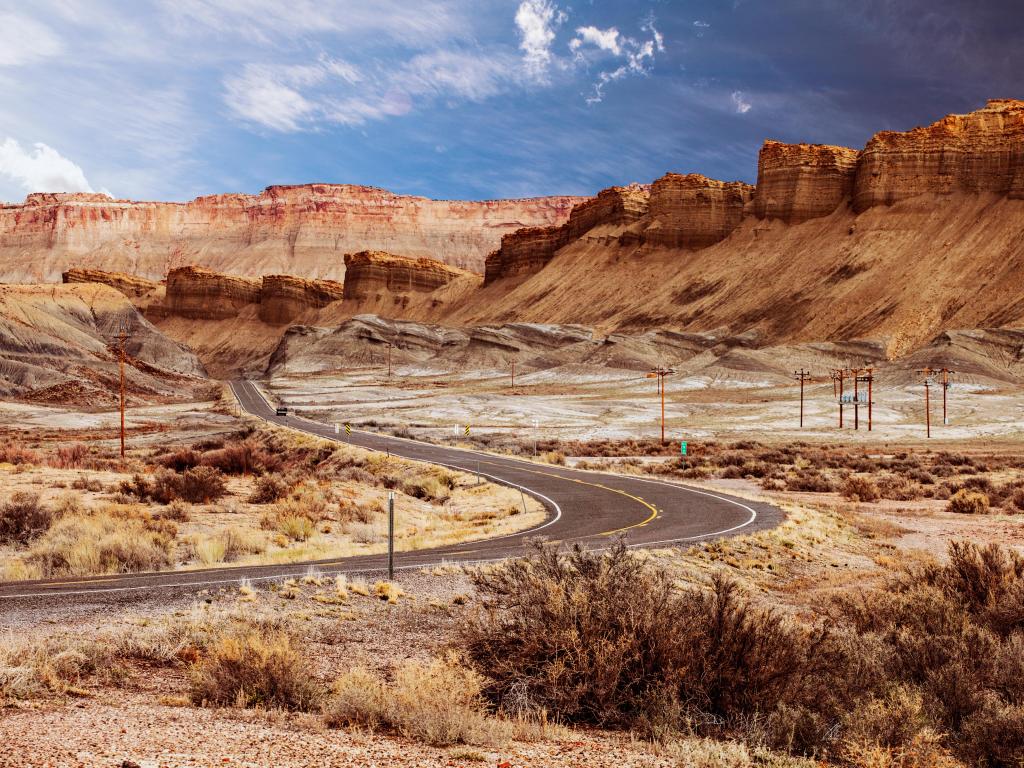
(466, 430)
(336, 430)
(682, 448)
(348, 428)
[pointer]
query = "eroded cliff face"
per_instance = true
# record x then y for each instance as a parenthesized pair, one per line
(979, 152)
(285, 298)
(201, 294)
(299, 230)
(528, 250)
(798, 182)
(692, 211)
(368, 273)
(130, 285)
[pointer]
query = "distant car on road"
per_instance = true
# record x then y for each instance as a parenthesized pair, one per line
(282, 411)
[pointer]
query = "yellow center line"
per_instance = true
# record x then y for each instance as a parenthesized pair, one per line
(650, 517)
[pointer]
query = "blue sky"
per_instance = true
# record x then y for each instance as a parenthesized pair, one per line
(170, 99)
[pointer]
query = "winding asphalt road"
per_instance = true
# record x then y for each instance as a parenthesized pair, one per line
(587, 507)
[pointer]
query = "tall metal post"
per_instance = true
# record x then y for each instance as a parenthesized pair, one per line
(662, 410)
(871, 379)
(391, 535)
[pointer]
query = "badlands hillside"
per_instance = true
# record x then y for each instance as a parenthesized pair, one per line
(910, 250)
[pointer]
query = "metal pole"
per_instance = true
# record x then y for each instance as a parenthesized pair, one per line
(662, 408)
(391, 535)
(841, 377)
(927, 409)
(945, 386)
(871, 379)
(801, 400)
(856, 397)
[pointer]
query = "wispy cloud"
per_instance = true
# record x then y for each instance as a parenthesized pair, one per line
(42, 169)
(740, 102)
(24, 40)
(538, 21)
(636, 56)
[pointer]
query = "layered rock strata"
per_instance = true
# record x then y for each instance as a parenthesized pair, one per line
(285, 298)
(528, 250)
(798, 182)
(300, 230)
(692, 211)
(368, 273)
(979, 152)
(130, 285)
(201, 294)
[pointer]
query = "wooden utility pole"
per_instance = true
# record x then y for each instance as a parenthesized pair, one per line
(660, 373)
(945, 389)
(801, 376)
(838, 375)
(927, 373)
(122, 337)
(869, 377)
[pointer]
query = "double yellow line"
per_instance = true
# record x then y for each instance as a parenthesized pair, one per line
(654, 511)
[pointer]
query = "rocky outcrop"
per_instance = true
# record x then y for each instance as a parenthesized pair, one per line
(299, 230)
(368, 273)
(979, 152)
(692, 211)
(201, 294)
(798, 182)
(130, 285)
(529, 249)
(285, 298)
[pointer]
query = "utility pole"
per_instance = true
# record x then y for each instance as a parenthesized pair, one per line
(855, 375)
(869, 379)
(927, 373)
(660, 373)
(945, 389)
(838, 374)
(122, 337)
(801, 376)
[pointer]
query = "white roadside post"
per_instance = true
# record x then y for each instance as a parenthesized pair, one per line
(536, 430)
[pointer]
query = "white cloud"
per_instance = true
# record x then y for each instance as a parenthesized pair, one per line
(24, 40)
(453, 73)
(537, 21)
(592, 43)
(739, 101)
(604, 39)
(42, 170)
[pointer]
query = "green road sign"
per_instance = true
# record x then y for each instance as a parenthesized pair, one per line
(682, 448)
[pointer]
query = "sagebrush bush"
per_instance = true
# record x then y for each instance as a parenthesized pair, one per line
(860, 488)
(23, 517)
(268, 489)
(253, 667)
(198, 485)
(965, 502)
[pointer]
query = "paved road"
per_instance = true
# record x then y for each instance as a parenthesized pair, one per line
(587, 507)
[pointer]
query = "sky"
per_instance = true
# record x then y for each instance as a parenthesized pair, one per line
(471, 99)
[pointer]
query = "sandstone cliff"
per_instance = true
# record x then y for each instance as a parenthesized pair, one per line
(285, 298)
(201, 294)
(979, 152)
(692, 211)
(298, 230)
(130, 285)
(370, 272)
(528, 250)
(797, 182)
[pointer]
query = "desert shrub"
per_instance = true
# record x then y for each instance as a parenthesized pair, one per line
(808, 480)
(922, 476)
(23, 517)
(253, 667)
(179, 511)
(554, 457)
(102, 543)
(69, 456)
(859, 488)
(14, 453)
(242, 457)
(439, 703)
(898, 488)
(296, 527)
(431, 485)
(86, 483)
(199, 485)
(364, 533)
(604, 639)
(351, 512)
(179, 460)
(966, 502)
(268, 489)
(1015, 501)
(240, 541)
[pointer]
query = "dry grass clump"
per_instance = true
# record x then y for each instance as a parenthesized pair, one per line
(105, 542)
(225, 546)
(253, 667)
(69, 456)
(32, 667)
(439, 703)
(296, 516)
(17, 454)
(432, 484)
(965, 502)
(23, 517)
(268, 489)
(859, 488)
